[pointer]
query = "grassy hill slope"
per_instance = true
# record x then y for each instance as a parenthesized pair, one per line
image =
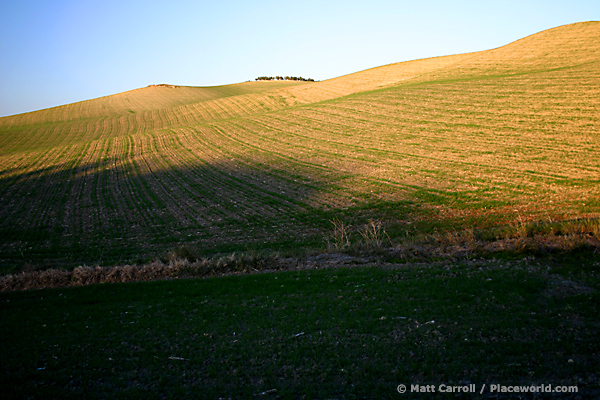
(472, 140)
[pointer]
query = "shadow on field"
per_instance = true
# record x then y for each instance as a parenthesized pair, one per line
(117, 210)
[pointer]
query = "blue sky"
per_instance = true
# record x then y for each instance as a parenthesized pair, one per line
(61, 51)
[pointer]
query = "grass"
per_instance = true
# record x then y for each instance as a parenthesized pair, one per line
(319, 333)
(371, 240)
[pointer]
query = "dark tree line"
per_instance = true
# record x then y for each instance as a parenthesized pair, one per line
(284, 78)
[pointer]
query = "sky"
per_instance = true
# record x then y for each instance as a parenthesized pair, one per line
(55, 52)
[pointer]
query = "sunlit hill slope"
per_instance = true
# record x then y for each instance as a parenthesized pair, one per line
(470, 140)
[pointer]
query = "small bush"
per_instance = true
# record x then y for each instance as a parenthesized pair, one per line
(340, 237)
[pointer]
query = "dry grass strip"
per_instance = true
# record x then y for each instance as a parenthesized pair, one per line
(156, 270)
(462, 245)
(449, 246)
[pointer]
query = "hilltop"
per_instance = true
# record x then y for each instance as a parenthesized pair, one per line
(474, 141)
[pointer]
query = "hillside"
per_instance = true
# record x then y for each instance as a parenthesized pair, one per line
(471, 140)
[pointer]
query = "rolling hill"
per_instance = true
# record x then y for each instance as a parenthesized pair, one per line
(469, 140)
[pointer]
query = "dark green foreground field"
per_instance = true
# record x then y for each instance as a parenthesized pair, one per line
(333, 333)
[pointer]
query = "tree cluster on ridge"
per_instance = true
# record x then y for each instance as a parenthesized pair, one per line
(284, 78)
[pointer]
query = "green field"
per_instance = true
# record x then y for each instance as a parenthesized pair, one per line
(466, 141)
(322, 333)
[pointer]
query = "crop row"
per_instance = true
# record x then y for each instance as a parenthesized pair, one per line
(113, 195)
